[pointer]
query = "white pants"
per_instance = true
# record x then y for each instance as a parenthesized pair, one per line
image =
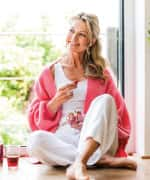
(63, 146)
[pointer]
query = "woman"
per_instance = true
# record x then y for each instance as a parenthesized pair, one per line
(78, 115)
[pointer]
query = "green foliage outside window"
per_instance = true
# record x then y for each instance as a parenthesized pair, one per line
(22, 57)
(148, 32)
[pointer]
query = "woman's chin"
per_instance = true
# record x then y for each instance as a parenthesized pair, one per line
(76, 50)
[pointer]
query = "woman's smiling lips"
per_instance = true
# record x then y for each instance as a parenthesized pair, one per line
(74, 44)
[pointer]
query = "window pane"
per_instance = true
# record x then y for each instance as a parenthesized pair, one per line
(24, 55)
(44, 16)
(22, 58)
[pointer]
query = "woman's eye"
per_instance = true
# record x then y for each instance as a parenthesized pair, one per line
(83, 35)
(71, 30)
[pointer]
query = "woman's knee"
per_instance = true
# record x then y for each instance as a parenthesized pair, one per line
(105, 98)
(109, 99)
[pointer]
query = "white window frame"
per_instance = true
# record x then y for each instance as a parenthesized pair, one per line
(137, 73)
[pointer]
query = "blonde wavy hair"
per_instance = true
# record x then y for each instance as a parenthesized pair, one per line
(94, 64)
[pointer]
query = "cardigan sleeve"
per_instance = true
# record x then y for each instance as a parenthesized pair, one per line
(124, 126)
(39, 116)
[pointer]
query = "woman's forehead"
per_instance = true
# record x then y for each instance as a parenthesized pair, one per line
(80, 25)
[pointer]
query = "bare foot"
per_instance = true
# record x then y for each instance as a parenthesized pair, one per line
(77, 171)
(118, 162)
(124, 163)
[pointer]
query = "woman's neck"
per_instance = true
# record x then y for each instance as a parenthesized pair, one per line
(79, 59)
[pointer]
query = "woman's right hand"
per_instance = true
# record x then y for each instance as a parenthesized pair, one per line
(62, 95)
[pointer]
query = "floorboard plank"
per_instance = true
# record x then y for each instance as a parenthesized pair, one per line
(28, 171)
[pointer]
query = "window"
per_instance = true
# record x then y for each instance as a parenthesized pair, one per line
(32, 33)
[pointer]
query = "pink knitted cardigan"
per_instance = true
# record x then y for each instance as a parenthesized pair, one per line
(41, 118)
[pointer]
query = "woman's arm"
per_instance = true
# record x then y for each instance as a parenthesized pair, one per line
(124, 126)
(45, 110)
(41, 116)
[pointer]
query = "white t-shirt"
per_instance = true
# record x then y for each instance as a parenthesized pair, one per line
(76, 103)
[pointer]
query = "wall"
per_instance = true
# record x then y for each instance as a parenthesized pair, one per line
(137, 81)
(147, 82)
(130, 71)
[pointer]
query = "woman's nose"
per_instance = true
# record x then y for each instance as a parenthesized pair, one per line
(74, 36)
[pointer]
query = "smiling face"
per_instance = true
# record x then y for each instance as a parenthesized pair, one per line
(78, 37)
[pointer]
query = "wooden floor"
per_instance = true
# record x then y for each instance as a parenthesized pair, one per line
(28, 171)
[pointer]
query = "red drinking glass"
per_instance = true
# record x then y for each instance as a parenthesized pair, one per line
(12, 155)
(1, 154)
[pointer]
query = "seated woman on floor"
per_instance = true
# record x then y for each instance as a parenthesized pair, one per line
(78, 116)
